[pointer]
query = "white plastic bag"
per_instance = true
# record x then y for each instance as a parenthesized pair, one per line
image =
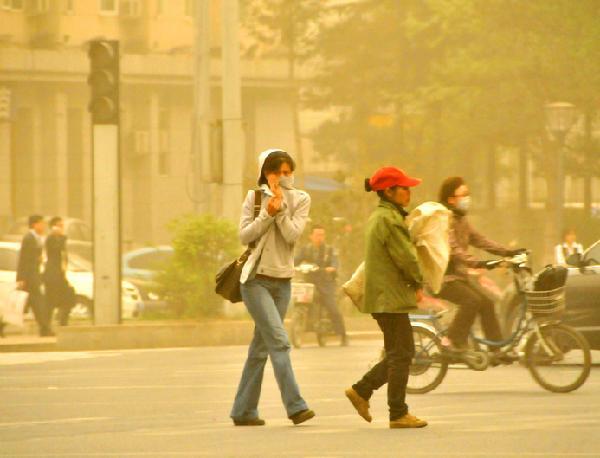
(12, 312)
(355, 287)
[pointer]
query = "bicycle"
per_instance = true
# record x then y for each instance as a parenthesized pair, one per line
(557, 356)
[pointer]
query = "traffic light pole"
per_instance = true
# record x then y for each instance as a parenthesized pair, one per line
(106, 176)
(107, 224)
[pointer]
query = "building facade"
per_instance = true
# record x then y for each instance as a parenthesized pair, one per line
(45, 137)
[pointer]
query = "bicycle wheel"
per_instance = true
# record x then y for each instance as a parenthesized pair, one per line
(428, 368)
(562, 362)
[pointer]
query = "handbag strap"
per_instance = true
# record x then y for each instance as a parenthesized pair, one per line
(257, 207)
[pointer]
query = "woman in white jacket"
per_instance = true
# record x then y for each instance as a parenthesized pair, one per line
(266, 285)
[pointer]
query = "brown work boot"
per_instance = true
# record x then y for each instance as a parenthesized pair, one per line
(361, 405)
(407, 421)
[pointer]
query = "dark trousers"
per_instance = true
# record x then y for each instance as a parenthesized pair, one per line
(59, 296)
(40, 311)
(394, 368)
(326, 296)
(471, 300)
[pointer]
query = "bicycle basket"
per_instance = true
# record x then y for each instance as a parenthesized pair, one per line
(546, 305)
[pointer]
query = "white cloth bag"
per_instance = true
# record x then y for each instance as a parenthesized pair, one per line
(12, 312)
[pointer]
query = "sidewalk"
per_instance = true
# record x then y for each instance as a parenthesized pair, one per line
(158, 334)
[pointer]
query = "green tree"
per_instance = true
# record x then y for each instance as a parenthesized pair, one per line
(202, 245)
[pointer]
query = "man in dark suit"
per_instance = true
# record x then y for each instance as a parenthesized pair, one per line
(29, 276)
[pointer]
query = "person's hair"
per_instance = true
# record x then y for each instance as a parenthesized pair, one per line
(34, 219)
(449, 187)
(567, 231)
(368, 188)
(54, 221)
(273, 163)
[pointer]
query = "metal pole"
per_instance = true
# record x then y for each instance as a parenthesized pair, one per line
(560, 184)
(233, 135)
(201, 125)
(107, 224)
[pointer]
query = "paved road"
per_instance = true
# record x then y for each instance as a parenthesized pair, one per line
(175, 402)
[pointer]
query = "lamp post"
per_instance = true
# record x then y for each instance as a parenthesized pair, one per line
(560, 117)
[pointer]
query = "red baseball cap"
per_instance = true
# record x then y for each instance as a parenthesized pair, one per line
(387, 177)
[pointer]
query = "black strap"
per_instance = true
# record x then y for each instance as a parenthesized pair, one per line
(257, 206)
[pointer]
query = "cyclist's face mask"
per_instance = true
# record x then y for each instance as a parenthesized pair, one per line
(463, 204)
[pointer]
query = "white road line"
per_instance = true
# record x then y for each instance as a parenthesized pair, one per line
(57, 421)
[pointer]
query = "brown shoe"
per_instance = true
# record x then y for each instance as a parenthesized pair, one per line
(408, 421)
(361, 405)
(302, 416)
(249, 422)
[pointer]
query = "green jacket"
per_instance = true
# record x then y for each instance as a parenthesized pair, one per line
(392, 272)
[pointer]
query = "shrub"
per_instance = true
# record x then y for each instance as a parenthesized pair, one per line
(202, 245)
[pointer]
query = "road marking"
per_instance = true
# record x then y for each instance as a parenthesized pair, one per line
(57, 421)
(13, 359)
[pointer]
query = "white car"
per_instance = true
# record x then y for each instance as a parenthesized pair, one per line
(79, 275)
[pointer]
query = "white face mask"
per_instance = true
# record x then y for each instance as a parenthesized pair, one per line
(464, 204)
(286, 182)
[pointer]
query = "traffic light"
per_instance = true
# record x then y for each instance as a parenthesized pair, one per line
(104, 81)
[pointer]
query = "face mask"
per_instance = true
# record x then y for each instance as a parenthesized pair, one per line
(463, 204)
(286, 182)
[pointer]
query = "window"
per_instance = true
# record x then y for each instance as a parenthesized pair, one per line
(109, 7)
(164, 142)
(68, 6)
(190, 8)
(16, 5)
(130, 8)
(593, 254)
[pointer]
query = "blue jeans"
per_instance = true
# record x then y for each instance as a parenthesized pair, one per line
(267, 301)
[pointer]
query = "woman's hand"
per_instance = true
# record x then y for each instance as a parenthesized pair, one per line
(274, 186)
(419, 294)
(274, 205)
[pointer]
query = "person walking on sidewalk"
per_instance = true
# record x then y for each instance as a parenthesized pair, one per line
(29, 277)
(59, 294)
(266, 285)
(393, 286)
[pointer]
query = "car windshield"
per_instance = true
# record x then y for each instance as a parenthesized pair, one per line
(592, 255)
(155, 260)
(8, 259)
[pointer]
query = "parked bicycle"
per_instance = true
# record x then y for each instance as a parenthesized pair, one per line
(557, 356)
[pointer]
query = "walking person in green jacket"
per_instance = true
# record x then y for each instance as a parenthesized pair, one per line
(393, 286)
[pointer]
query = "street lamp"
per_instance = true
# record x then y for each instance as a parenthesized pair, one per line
(560, 117)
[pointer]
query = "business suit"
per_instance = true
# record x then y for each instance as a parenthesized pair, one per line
(28, 272)
(59, 294)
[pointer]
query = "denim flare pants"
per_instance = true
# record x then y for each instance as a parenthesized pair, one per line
(267, 301)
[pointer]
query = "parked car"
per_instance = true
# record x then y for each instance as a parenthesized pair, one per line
(582, 296)
(80, 276)
(145, 263)
(78, 232)
(140, 267)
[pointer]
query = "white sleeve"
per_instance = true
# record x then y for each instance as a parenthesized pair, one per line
(291, 227)
(251, 229)
(559, 256)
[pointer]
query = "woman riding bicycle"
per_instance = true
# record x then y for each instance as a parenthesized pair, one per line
(458, 287)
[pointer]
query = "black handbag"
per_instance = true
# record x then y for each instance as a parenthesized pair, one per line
(228, 278)
(551, 278)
